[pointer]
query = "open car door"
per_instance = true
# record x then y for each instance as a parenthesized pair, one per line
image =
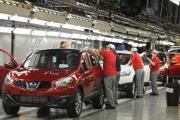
(5, 68)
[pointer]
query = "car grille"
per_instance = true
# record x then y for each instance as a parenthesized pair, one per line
(36, 85)
(32, 99)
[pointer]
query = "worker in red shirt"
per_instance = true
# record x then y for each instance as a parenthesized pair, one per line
(176, 57)
(110, 73)
(154, 66)
(138, 67)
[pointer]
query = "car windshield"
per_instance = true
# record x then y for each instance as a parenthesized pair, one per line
(53, 59)
(124, 58)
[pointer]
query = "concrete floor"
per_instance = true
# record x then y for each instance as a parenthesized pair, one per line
(147, 108)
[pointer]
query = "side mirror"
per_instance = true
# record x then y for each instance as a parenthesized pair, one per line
(8, 65)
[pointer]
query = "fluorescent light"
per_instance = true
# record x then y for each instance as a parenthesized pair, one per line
(17, 18)
(38, 22)
(39, 33)
(79, 28)
(101, 38)
(6, 29)
(52, 33)
(108, 39)
(97, 31)
(53, 24)
(175, 1)
(68, 26)
(65, 35)
(4, 16)
(93, 37)
(84, 37)
(76, 36)
(130, 42)
(22, 31)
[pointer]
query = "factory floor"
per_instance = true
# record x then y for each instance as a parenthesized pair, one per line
(146, 108)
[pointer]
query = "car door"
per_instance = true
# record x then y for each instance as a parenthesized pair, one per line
(5, 70)
(174, 69)
(145, 64)
(97, 72)
(87, 76)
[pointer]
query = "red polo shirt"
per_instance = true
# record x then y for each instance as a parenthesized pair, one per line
(157, 64)
(109, 62)
(136, 61)
(178, 58)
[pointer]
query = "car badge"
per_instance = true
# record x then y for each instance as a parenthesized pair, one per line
(32, 84)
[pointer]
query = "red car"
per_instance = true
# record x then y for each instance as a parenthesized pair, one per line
(56, 78)
(169, 70)
(164, 62)
(173, 69)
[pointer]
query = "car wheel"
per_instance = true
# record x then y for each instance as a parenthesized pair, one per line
(144, 90)
(76, 108)
(166, 79)
(98, 102)
(11, 110)
(132, 91)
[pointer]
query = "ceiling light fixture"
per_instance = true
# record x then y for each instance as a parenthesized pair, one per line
(18, 18)
(22, 31)
(53, 24)
(6, 29)
(38, 22)
(4, 16)
(76, 36)
(39, 33)
(53, 33)
(65, 35)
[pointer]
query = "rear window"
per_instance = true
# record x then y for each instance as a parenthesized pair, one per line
(124, 58)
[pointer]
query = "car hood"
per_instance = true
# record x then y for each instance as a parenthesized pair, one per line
(40, 74)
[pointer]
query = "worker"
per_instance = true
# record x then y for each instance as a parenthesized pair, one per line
(110, 73)
(138, 67)
(176, 57)
(63, 44)
(154, 66)
(118, 68)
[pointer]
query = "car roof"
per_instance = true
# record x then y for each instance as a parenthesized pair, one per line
(173, 49)
(77, 50)
(123, 51)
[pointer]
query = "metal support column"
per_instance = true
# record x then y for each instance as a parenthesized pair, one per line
(161, 8)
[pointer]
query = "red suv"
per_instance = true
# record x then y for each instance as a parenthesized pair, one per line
(164, 62)
(57, 78)
(173, 68)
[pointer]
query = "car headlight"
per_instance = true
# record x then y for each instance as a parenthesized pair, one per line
(63, 82)
(125, 73)
(163, 67)
(8, 80)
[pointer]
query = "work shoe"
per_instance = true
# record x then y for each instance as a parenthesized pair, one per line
(110, 107)
(154, 94)
(138, 97)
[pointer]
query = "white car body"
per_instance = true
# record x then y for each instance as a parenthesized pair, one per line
(128, 73)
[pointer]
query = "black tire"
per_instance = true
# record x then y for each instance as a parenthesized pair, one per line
(131, 92)
(76, 108)
(166, 79)
(10, 110)
(98, 102)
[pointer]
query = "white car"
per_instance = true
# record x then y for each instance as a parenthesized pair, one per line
(127, 79)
